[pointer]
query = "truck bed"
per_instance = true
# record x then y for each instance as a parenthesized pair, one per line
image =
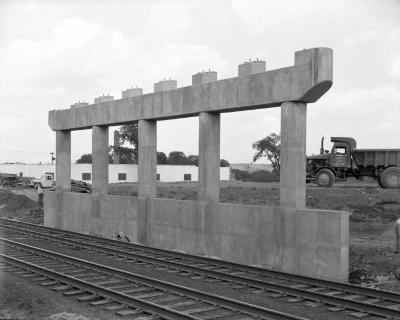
(377, 157)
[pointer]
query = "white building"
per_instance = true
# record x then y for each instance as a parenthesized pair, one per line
(117, 172)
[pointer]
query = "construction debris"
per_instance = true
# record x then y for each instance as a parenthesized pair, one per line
(13, 180)
(80, 186)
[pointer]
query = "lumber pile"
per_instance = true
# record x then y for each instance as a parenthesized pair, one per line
(13, 180)
(80, 186)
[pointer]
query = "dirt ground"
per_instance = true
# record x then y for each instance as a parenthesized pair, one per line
(373, 209)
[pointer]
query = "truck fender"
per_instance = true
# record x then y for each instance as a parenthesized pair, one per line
(326, 167)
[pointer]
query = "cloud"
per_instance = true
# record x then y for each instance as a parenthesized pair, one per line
(54, 53)
(394, 69)
(368, 115)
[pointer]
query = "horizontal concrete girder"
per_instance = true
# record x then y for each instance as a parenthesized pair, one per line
(306, 81)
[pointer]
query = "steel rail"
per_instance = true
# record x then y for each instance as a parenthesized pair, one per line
(234, 305)
(258, 283)
(129, 301)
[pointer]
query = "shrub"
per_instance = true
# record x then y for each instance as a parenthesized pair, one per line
(256, 176)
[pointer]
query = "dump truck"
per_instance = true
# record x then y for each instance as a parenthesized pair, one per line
(345, 160)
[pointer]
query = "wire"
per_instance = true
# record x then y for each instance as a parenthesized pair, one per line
(24, 151)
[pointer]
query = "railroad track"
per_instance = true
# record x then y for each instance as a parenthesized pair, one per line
(126, 293)
(361, 301)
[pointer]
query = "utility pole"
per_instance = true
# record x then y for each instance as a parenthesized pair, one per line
(52, 157)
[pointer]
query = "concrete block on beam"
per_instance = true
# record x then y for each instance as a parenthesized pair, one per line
(103, 98)
(203, 77)
(165, 85)
(251, 67)
(79, 104)
(132, 92)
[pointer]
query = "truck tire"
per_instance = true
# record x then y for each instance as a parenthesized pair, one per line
(390, 178)
(325, 178)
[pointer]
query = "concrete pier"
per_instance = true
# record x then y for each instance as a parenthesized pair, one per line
(209, 156)
(293, 155)
(63, 176)
(147, 165)
(99, 160)
(63, 161)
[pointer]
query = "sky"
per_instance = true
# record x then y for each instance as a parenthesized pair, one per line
(54, 53)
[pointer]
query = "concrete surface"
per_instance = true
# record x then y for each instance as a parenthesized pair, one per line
(63, 163)
(289, 238)
(132, 92)
(251, 67)
(79, 104)
(307, 241)
(165, 85)
(103, 98)
(99, 160)
(293, 155)
(209, 156)
(203, 77)
(306, 81)
(147, 154)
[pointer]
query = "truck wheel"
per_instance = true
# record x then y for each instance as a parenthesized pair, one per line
(325, 178)
(390, 178)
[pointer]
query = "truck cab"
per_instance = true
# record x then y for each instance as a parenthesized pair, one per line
(326, 167)
(340, 156)
(45, 181)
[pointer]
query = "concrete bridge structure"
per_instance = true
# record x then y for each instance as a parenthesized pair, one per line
(289, 237)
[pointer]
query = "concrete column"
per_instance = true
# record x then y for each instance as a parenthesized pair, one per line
(209, 156)
(293, 155)
(147, 166)
(99, 160)
(63, 161)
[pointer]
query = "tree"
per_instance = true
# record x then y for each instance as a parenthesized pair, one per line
(129, 133)
(177, 158)
(193, 160)
(269, 147)
(224, 163)
(85, 158)
(161, 158)
(126, 155)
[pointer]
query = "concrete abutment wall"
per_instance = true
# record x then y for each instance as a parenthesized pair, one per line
(304, 241)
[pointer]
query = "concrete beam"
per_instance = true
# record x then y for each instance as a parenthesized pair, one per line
(63, 161)
(99, 160)
(209, 156)
(306, 81)
(147, 166)
(293, 155)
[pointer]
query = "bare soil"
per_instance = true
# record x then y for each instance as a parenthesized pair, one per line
(374, 211)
